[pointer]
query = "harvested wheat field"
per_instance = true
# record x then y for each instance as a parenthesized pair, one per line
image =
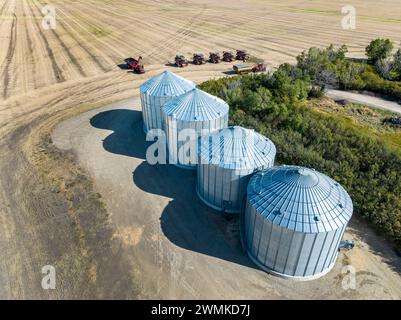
(57, 204)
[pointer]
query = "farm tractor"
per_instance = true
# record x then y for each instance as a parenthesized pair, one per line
(180, 61)
(135, 64)
(214, 57)
(242, 55)
(228, 56)
(199, 58)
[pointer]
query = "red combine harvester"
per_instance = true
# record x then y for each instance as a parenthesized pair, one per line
(242, 55)
(214, 57)
(228, 56)
(180, 61)
(199, 58)
(135, 64)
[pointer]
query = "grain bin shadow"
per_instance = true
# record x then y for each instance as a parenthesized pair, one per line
(128, 138)
(186, 221)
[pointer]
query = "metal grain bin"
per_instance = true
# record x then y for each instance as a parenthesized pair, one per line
(226, 159)
(195, 110)
(156, 92)
(294, 220)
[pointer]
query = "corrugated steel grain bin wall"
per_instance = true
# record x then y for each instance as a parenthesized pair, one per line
(294, 220)
(156, 92)
(196, 110)
(226, 159)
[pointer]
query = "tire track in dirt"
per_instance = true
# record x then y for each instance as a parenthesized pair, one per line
(72, 58)
(2, 8)
(121, 31)
(157, 25)
(30, 56)
(198, 39)
(45, 238)
(40, 70)
(226, 38)
(9, 56)
(23, 60)
(58, 73)
(279, 38)
(181, 34)
(82, 92)
(156, 54)
(81, 42)
(307, 27)
(118, 34)
(76, 14)
(103, 88)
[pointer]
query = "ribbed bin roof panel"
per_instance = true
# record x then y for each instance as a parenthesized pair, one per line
(300, 199)
(196, 105)
(166, 84)
(237, 148)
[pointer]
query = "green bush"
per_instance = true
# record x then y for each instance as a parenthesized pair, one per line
(373, 82)
(329, 67)
(379, 49)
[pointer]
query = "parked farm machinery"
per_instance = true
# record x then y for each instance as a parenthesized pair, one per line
(214, 57)
(228, 56)
(135, 64)
(248, 67)
(242, 55)
(199, 58)
(180, 60)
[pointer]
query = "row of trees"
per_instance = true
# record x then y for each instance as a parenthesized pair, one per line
(330, 67)
(276, 106)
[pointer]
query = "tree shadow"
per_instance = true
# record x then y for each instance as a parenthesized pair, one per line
(360, 60)
(128, 138)
(186, 221)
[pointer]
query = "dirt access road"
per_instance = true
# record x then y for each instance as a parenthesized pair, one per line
(49, 210)
(364, 99)
(178, 247)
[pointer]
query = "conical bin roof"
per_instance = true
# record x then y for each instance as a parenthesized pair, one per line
(196, 105)
(166, 84)
(237, 148)
(300, 199)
